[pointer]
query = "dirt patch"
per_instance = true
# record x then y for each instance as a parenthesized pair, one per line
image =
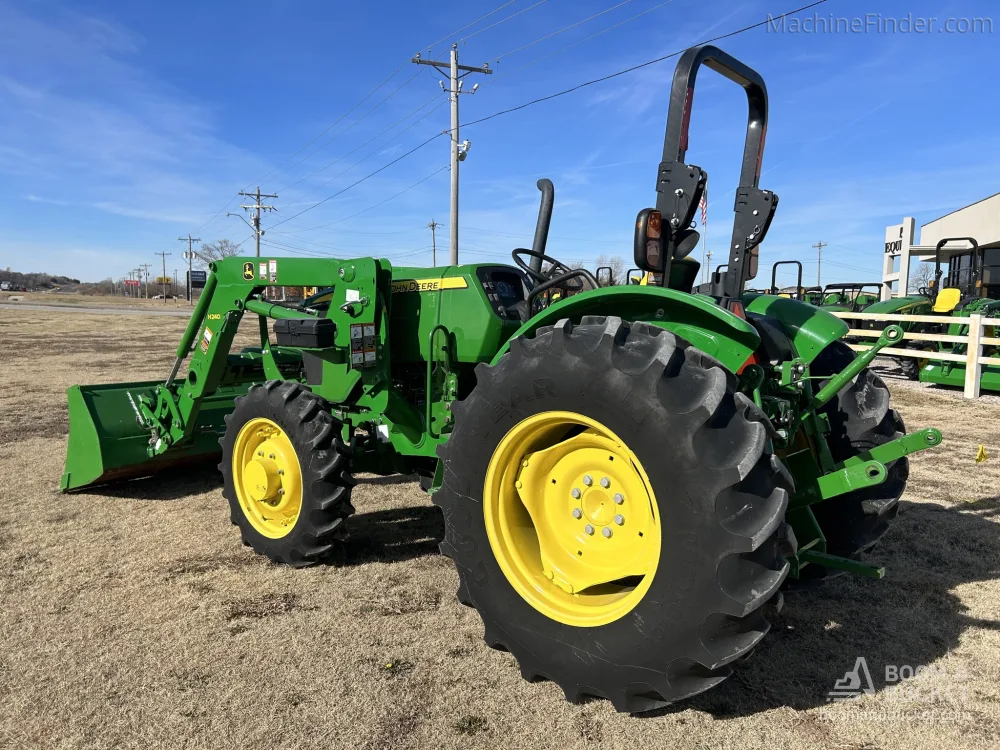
(259, 607)
(203, 564)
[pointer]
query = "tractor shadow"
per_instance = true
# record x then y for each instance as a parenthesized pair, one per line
(910, 617)
(185, 481)
(390, 536)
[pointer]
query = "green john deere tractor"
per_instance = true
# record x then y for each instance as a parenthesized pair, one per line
(970, 285)
(628, 475)
(850, 296)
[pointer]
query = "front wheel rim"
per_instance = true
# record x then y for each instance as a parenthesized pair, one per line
(572, 519)
(267, 477)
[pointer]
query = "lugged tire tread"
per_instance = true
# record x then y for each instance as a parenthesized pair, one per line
(717, 417)
(325, 472)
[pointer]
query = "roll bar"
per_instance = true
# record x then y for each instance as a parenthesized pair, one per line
(774, 276)
(680, 186)
(937, 256)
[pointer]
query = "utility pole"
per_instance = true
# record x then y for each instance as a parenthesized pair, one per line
(434, 250)
(458, 150)
(819, 260)
(708, 264)
(257, 207)
(163, 278)
(145, 267)
(189, 257)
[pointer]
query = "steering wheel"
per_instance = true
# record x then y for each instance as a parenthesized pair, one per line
(556, 270)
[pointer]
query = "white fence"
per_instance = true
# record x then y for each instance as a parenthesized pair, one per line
(972, 358)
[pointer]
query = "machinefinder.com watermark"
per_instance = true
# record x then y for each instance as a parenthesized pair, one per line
(876, 23)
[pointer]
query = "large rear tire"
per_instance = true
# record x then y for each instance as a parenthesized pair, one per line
(286, 473)
(674, 430)
(860, 418)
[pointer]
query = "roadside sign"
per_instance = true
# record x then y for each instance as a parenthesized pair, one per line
(131, 282)
(196, 279)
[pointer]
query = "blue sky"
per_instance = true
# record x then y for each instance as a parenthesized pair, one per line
(126, 125)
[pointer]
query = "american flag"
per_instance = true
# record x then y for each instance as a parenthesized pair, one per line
(703, 205)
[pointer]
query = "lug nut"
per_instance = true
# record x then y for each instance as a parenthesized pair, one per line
(577, 513)
(587, 480)
(619, 519)
(607, 532)
(270, 456)
(619, 498)
(589, 529)
(281, 490)
(260, 453)
(280, 472)
(575, 493)
(605, 482)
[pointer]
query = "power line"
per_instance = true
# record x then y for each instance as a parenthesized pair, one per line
(446, 37)
(502, 20)
(562, 30)
(345, 114)
(257, 207)
(406, 83)
(458, 151)
(578, 42)
(370, 140)
(391, 197)
(358, 182)
(769, 19)
(189, 257)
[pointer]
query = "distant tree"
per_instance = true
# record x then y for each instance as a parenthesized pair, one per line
(212, 251)
(921, 277)
(617, 265)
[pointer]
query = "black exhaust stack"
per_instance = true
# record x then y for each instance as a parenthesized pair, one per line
(544, 219)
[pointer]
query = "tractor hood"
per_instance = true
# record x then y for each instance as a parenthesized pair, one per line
(909, 304)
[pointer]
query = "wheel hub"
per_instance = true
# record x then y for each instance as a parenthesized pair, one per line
(572, 509)
(267, 477)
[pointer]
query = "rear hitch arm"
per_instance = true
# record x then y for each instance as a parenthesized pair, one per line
(890, 335)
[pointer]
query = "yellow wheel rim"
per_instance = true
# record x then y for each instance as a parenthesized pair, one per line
(267, 477)
(572, 519)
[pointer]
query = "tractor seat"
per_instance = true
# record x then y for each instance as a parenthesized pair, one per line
(947, 299)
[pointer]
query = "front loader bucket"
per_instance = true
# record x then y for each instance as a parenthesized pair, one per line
(106, 442)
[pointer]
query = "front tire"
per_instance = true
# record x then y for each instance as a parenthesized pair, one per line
(286, 473)
(715, 500)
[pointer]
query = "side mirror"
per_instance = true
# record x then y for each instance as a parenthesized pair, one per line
(648, 248)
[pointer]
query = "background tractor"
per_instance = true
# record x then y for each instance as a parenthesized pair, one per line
(628, 476)
(969, 286)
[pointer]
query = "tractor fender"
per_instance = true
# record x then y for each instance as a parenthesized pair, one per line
(809, 328)
(695, 318)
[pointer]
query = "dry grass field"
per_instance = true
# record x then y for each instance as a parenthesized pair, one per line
(133, 617)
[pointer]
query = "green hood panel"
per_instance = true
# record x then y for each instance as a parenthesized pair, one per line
(914, 305)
